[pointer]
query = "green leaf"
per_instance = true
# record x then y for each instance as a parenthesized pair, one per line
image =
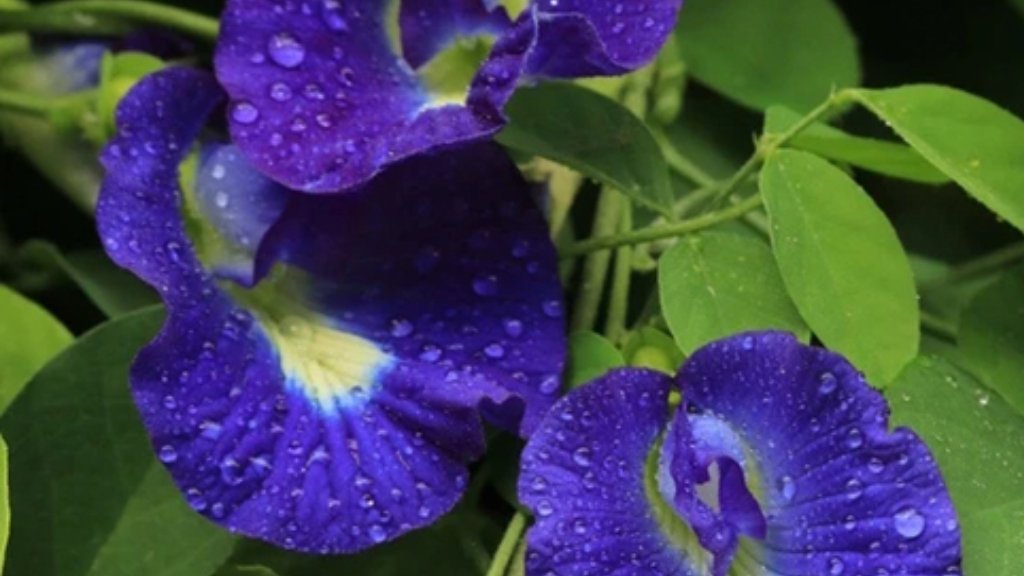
(88, 497)
(992, 336)
(976, 439)
(592, 134)
(842, 263)
(887, 158)
(714, 285)
(762, 53)
(971, 140)
(651, 348)
(5, 503)
(590, 356)
(29, 338)
(113, 290)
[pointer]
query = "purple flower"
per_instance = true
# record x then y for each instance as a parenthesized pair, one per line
(321, 101)
(779, 461)
(320, 378)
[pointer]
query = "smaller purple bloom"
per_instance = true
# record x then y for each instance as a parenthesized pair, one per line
(322, 101)
(780, 461)
(326, 360)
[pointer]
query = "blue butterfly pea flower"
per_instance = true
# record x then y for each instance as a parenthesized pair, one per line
(321, 376)
(322, 101)
(779, 461)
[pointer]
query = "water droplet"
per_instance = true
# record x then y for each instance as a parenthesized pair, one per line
(545, 509)
(787, 487)
(168, 454)
(400, 328)
(552, 308)
(835, 567)
(244, 112)
(332, 16)
(281, 92)
(424, 512)
(876, 466)
(195, 499)
(486, 285)
(827, 383)
(495, 351)
(285, 50)
(854, 438)
(377, 533)
(909, 523)
(170, 403)
(430, 353)
(582, 456)
(221, 199)
(513, 327)
(550, 385)
(219, 171)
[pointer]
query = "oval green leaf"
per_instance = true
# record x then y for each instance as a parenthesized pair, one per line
(973, 141)
(29, 338)
(713, 285)
(590, 356)
(842, 263)
(992, 337)
(976, 439)
(886, 158)
(593, 135)
(766, 52)
(87, 494)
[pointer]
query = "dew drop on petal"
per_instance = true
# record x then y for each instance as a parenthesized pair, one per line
(244, 112)
(787, 487)
(909, 523)
(167, 454)
(285, 50)
(377, 533)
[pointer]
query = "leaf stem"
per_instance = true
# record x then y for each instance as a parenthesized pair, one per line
(991, 262)
(81, 16)
(769, 143)
(595, 269)
(509, 545)
(21, 103)
(938, 327)
(681, 228)
(618, 308)
(681, 164)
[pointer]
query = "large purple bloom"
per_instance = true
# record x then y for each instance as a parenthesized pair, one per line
(780, 461)
(321, 101)
(319, 381)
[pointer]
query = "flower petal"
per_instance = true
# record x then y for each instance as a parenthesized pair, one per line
(445, 262)
(578, 38)
(842, 494)
(321, 102)
(584, 477)
(279, 416)
(428, 26)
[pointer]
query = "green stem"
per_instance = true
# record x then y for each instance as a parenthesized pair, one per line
(681, 228)
(681, 164)
(509, 543)
(769, 143)
(618, 309)
(938, 327)
(82, 16)
(595, 269)
(19, 102)
(986, 264)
